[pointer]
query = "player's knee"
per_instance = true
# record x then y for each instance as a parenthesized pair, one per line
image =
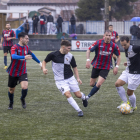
(67, 94)
(98, 85)
(11, 90)
(117, 84)
(24, 87)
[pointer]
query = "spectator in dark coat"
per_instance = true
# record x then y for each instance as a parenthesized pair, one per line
(50, 21)
(35, 19)
(27, 26)
(138, 32)
(59, 22)
(73, 24)
(133, 31)
(42, 23)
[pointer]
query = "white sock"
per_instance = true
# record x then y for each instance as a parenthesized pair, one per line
(122, 94)
(132, 100)
(74, 104)
(83, 96)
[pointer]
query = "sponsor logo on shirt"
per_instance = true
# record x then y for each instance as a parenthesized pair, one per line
(105, 53)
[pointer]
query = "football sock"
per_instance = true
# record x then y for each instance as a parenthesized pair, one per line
(121, 92)
(93, 91)
(5, 60)
(11, 97)
(24, 93)
(132, 100)
(83, 96)
(73, 103)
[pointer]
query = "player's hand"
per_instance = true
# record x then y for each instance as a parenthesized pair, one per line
(28, 57)
(125, 64)
(115, 70)
(79, 81)
(88, 64)
(8, 39)
(45, 71)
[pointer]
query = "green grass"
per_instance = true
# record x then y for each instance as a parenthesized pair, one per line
(48, 115)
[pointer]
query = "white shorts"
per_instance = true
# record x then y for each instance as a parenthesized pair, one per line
(67, 85)
(133, 80)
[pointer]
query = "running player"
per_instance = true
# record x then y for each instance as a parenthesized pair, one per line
(62, 61)
(131, 75)
(7, 40)
(114, 38)
(17, 70)
(102, 61)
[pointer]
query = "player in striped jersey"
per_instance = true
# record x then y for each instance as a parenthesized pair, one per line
(17, 70)
(7, 40)
(104, 50)
(114, 38)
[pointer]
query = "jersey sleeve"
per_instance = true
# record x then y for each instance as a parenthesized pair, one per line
(29, 51)
(2, 34)
(13, 50)
(116, 50)
(73, 62)
(136, 49)
(48, 58)
(117, 35)
(93, 46)
(13, 34)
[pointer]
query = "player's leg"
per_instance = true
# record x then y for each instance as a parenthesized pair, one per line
(12, 82)
(65, 90)
(115, 59)
(24, 85)
(5, 49)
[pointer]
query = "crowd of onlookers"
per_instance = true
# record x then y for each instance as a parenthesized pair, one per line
(135, 31)
(42, 20)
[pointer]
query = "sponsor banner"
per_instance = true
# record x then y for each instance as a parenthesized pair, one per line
(81, 45)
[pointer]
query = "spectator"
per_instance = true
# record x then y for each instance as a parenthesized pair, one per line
(27, 26)
(59, 22)
(50, 21)
(42, 23)
(35, 23)
(73, 24)
(133, 31)
(138, 32)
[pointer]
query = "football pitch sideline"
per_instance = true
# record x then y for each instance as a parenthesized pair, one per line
(49, 116)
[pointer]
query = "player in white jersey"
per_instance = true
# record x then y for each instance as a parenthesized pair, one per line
(62, 61)
(131, 75)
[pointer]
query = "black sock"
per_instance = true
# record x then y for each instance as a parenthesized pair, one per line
(93, 91)
(11, 97)
(24, 93)
(5, 60)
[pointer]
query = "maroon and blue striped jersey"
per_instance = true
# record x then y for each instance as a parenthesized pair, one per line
(114, 36)
(103, 54)
(6, 34)
(18, 66)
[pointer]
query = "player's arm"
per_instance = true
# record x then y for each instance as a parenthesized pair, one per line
(46, 60)
(90, 49)
(75, 70)
(34, 57)
(13, 36)
(117, 53)
(117, 38)
(1, 42)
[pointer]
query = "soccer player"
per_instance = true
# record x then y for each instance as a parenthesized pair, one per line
(104, 49)
(114, 38)
(62, 61)
(17, 70)
(131, 75)
(7, 40)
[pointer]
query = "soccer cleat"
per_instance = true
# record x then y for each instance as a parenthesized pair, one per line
(5, 67)
(80, 114)
(10, 106)
(85, 102)
(133, 109)
(23, 103)
(123, 103)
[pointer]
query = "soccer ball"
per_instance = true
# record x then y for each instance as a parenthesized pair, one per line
(125, 108)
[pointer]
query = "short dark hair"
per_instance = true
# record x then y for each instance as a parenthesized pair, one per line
(123, 38)
(110, 25)
(108, 31)
(65, 43)
(22, 34)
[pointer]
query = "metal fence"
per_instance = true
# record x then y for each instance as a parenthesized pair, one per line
(92, 27)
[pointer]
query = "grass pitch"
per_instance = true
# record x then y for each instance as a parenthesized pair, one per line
(48, 115)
